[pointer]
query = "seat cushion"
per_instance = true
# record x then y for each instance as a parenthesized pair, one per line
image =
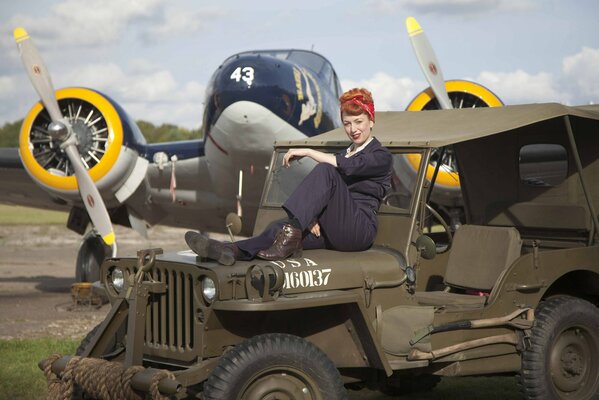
(450, 301)
(479, 254)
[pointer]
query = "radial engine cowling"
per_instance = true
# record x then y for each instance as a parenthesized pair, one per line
(107, 142)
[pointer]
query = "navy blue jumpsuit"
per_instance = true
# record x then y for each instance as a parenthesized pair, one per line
(344, 200)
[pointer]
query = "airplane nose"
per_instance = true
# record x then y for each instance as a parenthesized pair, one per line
(257, 78)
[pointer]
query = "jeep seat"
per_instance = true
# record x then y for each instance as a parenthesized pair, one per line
(478, 256)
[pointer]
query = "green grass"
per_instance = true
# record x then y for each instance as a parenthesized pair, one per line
(18, 215)
(20, 377)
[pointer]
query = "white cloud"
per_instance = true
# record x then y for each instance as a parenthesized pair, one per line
(582, 71)
(522, 87)
(452, 7)
(144, 90)
(389, 93)
(101, 22)
(176, 22)
(88, 23)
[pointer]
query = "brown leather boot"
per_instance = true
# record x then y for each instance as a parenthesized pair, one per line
(287, 242)
(202, 245)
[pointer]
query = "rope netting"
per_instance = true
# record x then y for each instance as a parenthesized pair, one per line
(99, 379)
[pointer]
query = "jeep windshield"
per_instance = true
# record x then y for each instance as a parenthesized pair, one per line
(282, 181)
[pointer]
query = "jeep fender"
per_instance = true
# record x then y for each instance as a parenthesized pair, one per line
(336, 321)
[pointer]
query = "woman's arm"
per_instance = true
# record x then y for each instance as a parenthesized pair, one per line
(316, 155)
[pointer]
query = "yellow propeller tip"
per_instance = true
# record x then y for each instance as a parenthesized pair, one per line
(20, 34)
(413, 26)
(109, 239)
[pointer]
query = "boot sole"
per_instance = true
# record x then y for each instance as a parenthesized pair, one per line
(296, 253)
(200, 244)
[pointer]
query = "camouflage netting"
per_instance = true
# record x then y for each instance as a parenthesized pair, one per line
(100, 379)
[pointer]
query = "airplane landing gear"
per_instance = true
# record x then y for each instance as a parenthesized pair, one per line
(92, 253)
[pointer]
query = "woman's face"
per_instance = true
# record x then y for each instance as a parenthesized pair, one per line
(357, 127)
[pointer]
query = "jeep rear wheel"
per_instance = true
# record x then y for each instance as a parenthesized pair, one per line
(275, 366)
(563, 359)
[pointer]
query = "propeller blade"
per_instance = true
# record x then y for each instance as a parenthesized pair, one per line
(428, 62)
(91, 196)
(38, 74)
(61, 130)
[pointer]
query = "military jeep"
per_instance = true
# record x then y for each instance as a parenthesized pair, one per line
(514, 289)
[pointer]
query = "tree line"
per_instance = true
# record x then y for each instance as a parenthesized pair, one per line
(9, 133)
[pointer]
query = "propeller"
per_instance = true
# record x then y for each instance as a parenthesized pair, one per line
(60, 130)
(428, 62)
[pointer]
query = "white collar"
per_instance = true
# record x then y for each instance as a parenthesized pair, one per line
(350, 152)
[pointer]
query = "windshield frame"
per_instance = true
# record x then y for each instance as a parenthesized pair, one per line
(385, 208)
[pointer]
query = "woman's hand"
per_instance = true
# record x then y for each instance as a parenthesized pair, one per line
(315, 229)
(294, 153)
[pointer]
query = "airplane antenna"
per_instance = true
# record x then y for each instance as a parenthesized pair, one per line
(312, 48)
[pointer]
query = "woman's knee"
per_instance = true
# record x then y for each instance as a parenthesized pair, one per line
(325, 167)
(325, 170)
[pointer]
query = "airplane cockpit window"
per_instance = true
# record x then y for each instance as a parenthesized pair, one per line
(313, 61)
(283, 181)
(310, 60)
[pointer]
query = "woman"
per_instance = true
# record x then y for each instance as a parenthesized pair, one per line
(335, 205)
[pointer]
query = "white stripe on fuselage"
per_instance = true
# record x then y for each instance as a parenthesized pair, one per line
(247, 132)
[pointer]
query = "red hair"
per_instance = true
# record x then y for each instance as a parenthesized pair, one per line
(357, 101)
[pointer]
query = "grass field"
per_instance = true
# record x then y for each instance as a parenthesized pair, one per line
(17, 215)
(20, 377)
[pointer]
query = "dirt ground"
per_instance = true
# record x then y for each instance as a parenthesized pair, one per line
(37, 269)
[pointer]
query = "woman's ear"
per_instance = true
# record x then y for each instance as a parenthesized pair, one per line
(371, 124)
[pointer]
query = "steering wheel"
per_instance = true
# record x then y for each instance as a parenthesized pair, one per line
(402, 197)
(439, 218)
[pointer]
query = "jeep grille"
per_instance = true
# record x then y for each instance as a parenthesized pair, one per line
(170, 316)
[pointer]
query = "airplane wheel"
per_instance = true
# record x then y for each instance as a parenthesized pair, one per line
(562, 361)
(275, 366)
(92, 253)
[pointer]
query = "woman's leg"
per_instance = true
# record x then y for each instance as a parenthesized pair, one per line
(324, 195)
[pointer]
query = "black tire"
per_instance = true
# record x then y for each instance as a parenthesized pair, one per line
(563, 359)
(274, 364)
(112, 345)
(77, 391)
(86, 340)
(91, 255)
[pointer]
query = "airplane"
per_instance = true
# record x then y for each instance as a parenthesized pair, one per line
(80, 152)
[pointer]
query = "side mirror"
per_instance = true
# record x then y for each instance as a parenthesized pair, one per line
(426, 247)
(233, 223)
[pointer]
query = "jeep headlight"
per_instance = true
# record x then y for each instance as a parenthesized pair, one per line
(117, 279)
(208, 289)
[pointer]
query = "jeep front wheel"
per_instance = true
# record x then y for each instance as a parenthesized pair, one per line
(275, 366)
(563, 359)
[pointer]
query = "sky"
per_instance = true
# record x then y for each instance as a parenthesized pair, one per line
(155, 57)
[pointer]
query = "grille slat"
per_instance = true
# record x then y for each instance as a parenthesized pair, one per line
(161, 321)
(187, 310)
(171, 317)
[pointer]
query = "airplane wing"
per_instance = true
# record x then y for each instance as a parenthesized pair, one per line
(17, 186)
